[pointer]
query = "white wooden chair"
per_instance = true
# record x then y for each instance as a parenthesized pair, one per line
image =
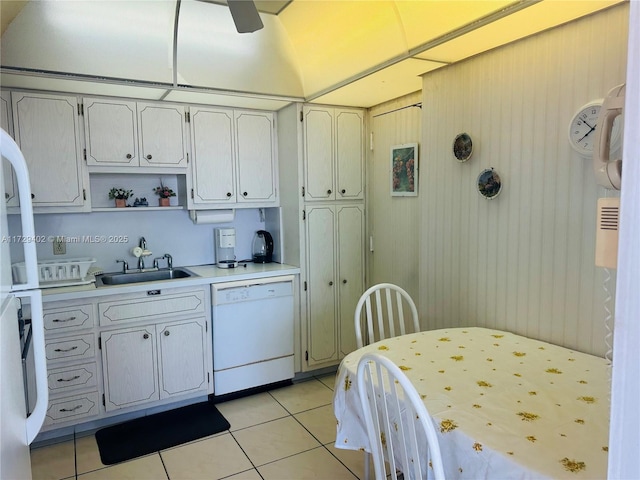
(397, 422)
(386, 308)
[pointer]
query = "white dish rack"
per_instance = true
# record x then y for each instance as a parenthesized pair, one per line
(72, 271)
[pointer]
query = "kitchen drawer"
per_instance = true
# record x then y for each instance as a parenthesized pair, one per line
(72, 408)
(77, 347)
(68, 317)
(152, 305)
(71, 378)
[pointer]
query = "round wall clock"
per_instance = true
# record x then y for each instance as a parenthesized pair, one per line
(582, 129)
(489, 183)
(462, 147)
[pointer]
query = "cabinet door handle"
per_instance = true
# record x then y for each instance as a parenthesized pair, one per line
(331, 284)
(6, 196)
(66, 349)
(71, 409)
(129, 155)
(328, 192)
(75, 377)
(145, 336)
(228, 194)
(344, 281)
(149, 157)
(244, 194)
(166, 333)
(33, 195)
(61, 320)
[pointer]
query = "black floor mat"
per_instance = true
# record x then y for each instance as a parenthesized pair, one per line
(145, 435)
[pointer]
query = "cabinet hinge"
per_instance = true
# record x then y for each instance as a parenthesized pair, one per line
(305, 285)
(192, 194)
(303, 190)
(306, 355)
(187, 117)
(84, 154)
(208, 378)
(80, 109)
(99, 343)
(301, 116)
(84, 194)
(187, 157)
(304, 214)
(206, 326)
(104, 401)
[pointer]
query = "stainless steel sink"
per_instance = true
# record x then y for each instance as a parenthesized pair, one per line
(110, 279)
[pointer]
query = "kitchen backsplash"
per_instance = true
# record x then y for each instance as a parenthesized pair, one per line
(107, 236)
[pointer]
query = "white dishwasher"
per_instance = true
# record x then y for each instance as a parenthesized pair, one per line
(252, 333)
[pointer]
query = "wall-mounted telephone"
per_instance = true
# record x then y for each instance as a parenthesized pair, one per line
(608, 172)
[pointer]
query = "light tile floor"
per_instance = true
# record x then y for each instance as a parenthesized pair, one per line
(287, 433)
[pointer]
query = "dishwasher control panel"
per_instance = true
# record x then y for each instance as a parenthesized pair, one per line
(251, 291)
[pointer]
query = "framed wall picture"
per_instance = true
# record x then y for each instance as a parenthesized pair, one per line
(404, 170)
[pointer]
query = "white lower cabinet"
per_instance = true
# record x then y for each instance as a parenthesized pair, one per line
(335, 279)
(125, 352)
(154, 362)
(72, 369)
(129, 361)
(182, 357)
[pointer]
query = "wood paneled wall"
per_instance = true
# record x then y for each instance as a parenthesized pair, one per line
(393, 221)
(523, 261)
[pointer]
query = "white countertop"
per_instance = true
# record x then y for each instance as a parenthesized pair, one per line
(203, 275)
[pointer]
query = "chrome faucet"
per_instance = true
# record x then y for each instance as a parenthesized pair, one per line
(125, 265)
(169, 261)
(143, 245)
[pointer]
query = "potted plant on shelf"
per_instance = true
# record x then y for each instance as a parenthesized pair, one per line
(164, 193)
(120, 195)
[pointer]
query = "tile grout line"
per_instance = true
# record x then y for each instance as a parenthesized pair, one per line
(319, 441)
(166, 472)
(75, 455)
(308, 410)
(246, 455)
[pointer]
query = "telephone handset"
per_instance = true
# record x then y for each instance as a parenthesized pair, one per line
(608, 172)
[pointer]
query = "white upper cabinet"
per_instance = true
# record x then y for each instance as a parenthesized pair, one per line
(47, 130)
(212, 147)
(10, 184)
(163, 135)
(111, 132)
(333, 153)
(234, 160)
(256, 157)
(349, 139)
(125, 133)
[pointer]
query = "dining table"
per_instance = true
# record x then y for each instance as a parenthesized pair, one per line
(504, 406)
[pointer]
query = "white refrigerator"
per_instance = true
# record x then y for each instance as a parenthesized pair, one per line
(17, 428)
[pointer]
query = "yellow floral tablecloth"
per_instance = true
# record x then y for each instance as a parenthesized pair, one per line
(505, 406)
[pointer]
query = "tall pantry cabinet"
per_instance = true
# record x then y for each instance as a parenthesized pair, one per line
(321, 155)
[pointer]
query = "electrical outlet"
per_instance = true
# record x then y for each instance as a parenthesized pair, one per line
(59, 246)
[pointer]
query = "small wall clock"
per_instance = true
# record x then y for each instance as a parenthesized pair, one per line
(582, 129)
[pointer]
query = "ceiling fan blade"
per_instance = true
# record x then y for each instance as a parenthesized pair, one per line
(245, 15)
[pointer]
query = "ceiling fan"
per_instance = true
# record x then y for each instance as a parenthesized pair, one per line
(245, 14)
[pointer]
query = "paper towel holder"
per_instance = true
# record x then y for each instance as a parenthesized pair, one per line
(203, 217)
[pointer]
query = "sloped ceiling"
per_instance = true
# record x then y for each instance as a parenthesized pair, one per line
(359, 53)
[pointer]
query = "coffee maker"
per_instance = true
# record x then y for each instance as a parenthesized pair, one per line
(225, 243)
